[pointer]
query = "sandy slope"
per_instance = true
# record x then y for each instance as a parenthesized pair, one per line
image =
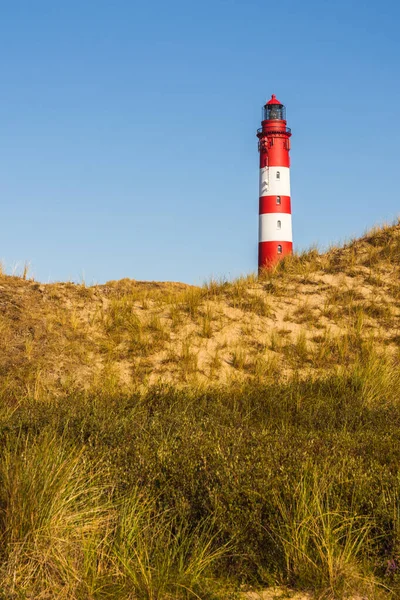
(309, 316)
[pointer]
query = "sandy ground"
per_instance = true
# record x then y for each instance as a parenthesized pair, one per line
(276, 594)
(126, 334)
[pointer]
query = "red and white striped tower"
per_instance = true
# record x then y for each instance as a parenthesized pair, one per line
(275, 229)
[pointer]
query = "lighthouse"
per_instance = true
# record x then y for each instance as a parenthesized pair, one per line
(275, 220)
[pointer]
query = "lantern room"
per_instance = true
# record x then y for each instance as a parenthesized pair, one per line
(274, 110)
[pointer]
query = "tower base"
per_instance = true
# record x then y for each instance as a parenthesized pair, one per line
(270, 253)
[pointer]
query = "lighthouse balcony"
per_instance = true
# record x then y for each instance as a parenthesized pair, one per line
(282, 130)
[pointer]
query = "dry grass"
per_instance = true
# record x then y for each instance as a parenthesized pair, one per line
(145, 425)
(315, 311)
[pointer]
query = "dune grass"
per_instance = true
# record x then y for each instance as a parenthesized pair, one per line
(163, 441)
(171, 493)
(67, 532)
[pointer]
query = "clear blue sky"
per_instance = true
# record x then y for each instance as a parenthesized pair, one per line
(127, 140)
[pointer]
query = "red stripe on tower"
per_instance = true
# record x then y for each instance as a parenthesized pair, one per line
(275, 230)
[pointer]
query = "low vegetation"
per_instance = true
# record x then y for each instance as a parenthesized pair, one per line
(162, 441)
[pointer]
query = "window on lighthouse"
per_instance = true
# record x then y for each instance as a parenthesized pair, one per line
(278, 175)
(278, 199)
(278, 224)
(279, 249)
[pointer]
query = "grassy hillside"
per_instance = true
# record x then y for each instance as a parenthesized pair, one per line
(314, 313)
(162, 441)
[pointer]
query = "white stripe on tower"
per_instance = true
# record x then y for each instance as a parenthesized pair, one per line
(275, 181)
(275, 227)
